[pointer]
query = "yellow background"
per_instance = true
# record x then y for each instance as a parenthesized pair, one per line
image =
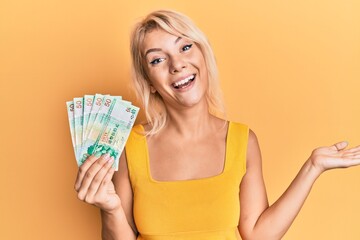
(289, 69)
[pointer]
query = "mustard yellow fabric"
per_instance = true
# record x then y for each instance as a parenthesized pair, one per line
(199, 209)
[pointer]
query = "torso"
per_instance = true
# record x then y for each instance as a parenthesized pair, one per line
(206, 204)
(173, 158)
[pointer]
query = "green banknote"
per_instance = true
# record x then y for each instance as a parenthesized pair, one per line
(78, 123)
(70, 111)
(100, 124)
(110, 129)
(88, 103)
(97, 102)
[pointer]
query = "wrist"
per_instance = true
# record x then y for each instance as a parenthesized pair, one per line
(112, 212)
(312, 169)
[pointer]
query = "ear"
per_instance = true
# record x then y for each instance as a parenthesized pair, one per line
(152, 89)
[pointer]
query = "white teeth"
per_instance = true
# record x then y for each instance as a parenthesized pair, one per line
(182, 82)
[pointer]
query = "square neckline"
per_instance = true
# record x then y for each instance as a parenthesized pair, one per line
(225, 165)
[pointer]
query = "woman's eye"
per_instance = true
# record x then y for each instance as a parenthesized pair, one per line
(156, 61)
(187, 47)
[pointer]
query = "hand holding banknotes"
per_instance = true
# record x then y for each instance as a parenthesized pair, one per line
(100, 124)
(93, 183)
(99, 127)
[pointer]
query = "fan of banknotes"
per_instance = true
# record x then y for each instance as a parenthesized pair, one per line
(100, 124)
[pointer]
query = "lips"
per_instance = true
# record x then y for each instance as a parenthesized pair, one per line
(184, 82)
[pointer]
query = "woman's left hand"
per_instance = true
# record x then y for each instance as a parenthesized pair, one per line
(335, 156)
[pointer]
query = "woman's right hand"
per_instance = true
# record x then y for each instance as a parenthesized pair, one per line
(93, 183)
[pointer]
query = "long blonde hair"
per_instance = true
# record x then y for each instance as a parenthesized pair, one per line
(179, 25)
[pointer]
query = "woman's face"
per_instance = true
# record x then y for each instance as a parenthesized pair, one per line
(176, 69)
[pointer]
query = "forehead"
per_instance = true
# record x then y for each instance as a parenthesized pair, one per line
(158, 38)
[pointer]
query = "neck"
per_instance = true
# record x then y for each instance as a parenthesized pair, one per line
(190, 122)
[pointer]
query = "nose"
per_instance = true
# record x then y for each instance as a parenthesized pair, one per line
(177, 64)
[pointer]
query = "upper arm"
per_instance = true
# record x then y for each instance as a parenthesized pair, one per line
(253, 197)
(124, 190)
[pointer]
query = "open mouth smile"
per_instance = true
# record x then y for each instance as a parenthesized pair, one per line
(184, 82)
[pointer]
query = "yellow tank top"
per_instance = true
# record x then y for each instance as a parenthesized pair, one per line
(199, 209)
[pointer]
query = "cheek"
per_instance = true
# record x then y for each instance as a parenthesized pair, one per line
(156, 76)
(198, 59)
(201, 65)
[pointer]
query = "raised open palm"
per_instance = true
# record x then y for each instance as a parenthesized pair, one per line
(335, 156)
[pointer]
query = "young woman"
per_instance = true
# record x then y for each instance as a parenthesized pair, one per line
(188, 174)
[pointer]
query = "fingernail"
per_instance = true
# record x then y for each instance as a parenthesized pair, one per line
(106, 155)
(110, 162)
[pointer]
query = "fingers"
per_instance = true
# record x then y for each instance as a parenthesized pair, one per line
(353, 150)
(350, 162)
(340, 145)
(106, 180)
(351, 155)
(99, 182)
(83, 169)
(91, 173)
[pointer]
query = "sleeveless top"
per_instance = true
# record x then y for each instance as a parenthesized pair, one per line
(199, 209)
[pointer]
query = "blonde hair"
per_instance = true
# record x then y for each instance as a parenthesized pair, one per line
(179, 25)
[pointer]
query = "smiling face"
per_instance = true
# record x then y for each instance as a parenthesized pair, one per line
(176, 69)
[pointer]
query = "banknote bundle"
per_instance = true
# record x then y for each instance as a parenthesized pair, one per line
(100, 124)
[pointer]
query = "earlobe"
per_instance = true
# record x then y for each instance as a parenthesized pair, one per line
(152, 89)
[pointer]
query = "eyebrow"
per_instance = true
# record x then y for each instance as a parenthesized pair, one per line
(159, 49)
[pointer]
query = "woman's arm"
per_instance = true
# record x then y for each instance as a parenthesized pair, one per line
(120, 224)
(258, 220)
(95, 186)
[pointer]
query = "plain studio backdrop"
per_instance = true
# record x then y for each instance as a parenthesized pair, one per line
(288, 69)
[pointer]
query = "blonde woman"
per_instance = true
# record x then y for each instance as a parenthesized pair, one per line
(188, 173)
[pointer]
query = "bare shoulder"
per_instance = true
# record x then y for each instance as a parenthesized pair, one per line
(252, 137)
(253, 150)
